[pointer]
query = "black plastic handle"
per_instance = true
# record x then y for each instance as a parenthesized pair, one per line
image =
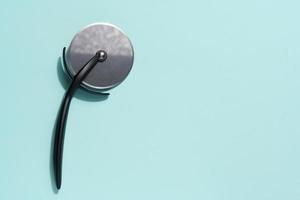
(60, 127)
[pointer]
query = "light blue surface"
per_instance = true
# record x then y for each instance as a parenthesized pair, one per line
(210, 110)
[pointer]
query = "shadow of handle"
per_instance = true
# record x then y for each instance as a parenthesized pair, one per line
(63, 115)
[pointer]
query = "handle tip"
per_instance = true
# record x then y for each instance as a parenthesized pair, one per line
(58, 184)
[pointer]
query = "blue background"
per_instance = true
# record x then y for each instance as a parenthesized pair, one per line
(209, 111)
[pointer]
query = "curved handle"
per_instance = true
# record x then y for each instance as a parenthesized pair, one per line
(100, 56)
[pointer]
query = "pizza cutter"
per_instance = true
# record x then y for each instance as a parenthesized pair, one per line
(99, 58)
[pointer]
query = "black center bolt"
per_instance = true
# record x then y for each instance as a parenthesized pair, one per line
(102, 55)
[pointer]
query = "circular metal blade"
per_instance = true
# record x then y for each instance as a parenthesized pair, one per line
(108, 74)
